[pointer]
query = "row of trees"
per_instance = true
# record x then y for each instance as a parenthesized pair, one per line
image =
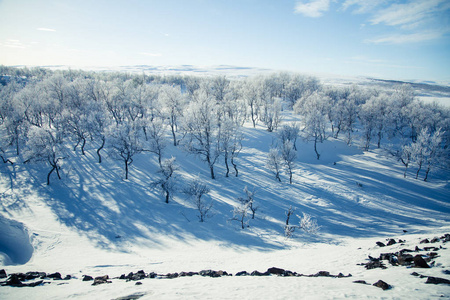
(42, 112)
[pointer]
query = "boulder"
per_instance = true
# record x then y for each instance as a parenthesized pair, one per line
(437, 280)
(435, 240)
(55, 276)
(425, 241)
(3, 273)
(101, 279)
(391, 242)
(257, 273)
(381, 284)
(360, 281)
(14, 280)
(419, 262)
(380, 244)
(242, 273)
(276, 271)
(87, 278)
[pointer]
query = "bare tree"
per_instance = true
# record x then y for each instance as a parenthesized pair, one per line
(166, 182)
(203, 131)
(289, 155)
(196, 190)
(275, 163)
(46, 144)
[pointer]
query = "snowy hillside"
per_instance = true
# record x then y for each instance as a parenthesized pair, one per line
(95, 222)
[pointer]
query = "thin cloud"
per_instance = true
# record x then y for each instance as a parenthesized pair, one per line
(14, 44)
(313, 9)
(46, 29)
(406, 38)
(410, 15)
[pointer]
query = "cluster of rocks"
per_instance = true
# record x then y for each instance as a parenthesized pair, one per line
(17, 279)
(380, 283)
(408, 258)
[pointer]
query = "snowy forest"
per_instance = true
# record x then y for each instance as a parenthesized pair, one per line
(107, 172)
(47, 116)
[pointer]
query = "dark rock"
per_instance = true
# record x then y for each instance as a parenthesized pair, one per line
(289, 273)
(380, 244)
(391, 242)
(32, 275)
(222, 273)
(415, 274)
(152, 275)
(417, 249)
(446, 238)
(322, 274)
(171, 275)
(405, 259)
(101, 279)
(33, 284)
(419, 262)
(360, 281)
(138, 283)
(374, 264)
(122, 277)
(20, 276)
(55, 276)
(14, 280)
(435, 240)
(68, 277)
(446, 272)
(430, 249)
(432, 255)
(210, 273)
(87, 278)
(257, 273)
(276, 271)
(425, 241)
(242, 273)
(381, 284)
(437, 280)
(3, 273)
(386, 256)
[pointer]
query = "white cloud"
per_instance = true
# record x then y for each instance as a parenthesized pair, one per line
(406, 38)
(14, 44)
(410, 15)
(150, 54)
(46, 29)
(314, 8)
(363, 6)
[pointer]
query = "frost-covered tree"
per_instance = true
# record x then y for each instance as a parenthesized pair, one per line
(201, 126)
(289, 155)
(157, 141)
(45, 144)
(173, 104)
(251, 97)
(275, 162)
(290, 133)
(240, 212)
(230, 143)
(125, 143)
(313, 108)
(427, 151)
(249, 200)
(196, 190)
(166, 182)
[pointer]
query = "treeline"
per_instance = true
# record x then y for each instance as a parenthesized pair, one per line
(43, 111)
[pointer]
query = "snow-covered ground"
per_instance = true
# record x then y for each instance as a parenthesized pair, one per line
(93, 222)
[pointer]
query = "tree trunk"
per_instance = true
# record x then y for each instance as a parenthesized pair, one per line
(48, 175)
(226, 164)
(234, 166)
(100, 148)
(126, 169)
(82, 146)
(315, 148)
(167, 196)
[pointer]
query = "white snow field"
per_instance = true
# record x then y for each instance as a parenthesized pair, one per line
(93, 222)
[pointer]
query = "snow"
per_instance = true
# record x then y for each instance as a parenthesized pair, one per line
(94, 222)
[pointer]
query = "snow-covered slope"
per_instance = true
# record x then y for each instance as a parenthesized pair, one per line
(94, 222)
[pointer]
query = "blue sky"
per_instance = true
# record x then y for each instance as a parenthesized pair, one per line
(389, 39)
